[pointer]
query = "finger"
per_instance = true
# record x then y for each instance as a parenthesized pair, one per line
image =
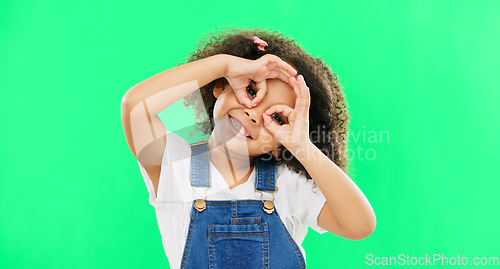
(271, 65)
(305, 99)
(281, 64)
(281, 109)
(300, 101)
(296, 88)
(243, 98)
(279, 73)
(270, 124)
(287, 67)
(261, 92)
(270, 68)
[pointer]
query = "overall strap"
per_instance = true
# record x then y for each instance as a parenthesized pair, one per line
(200, 165)
(265, 177)
(200, 176)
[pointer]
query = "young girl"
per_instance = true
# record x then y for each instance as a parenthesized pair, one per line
(274, 164)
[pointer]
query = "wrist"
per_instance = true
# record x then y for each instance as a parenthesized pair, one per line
(301, 149)
(224, 60)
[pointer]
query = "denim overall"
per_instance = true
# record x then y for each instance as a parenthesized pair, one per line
(237, 234)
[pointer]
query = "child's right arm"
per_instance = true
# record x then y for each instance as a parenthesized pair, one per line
(145, 132)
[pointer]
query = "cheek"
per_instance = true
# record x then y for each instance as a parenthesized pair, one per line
(219, 104)
(266, 137)
(267, 142)
(216, 108)
(226, 100)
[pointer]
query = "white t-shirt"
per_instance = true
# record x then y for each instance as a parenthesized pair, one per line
(296, 201)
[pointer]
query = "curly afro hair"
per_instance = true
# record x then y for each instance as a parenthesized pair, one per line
(328, 115)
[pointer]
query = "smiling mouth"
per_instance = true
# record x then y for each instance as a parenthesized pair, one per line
(239, 127)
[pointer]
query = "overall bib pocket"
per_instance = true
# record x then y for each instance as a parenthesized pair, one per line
(238, 246)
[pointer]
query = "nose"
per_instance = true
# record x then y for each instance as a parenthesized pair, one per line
(254, 114)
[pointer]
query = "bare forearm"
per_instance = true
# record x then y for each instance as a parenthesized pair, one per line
(141, 104)
(162, 90)
(347, 203)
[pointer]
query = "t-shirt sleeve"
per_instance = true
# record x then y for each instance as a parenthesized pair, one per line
(149, 184)
(147, 180)
(307, 201)
(175, 153)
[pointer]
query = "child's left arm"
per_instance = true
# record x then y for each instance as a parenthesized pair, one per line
(346, 212)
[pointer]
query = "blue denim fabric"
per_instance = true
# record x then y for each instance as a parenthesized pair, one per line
(237, 233)
(200, 172)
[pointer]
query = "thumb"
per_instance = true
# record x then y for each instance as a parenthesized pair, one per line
(270, 124)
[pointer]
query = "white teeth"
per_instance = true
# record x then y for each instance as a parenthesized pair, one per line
(237, 125)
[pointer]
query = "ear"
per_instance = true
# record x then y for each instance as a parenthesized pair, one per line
(218, 88)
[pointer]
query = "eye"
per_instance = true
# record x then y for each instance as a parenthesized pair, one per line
(251, 91)
(278, 118)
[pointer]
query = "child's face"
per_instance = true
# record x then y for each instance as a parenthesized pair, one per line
(227, 106)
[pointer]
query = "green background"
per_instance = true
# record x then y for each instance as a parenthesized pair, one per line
(423, 73)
